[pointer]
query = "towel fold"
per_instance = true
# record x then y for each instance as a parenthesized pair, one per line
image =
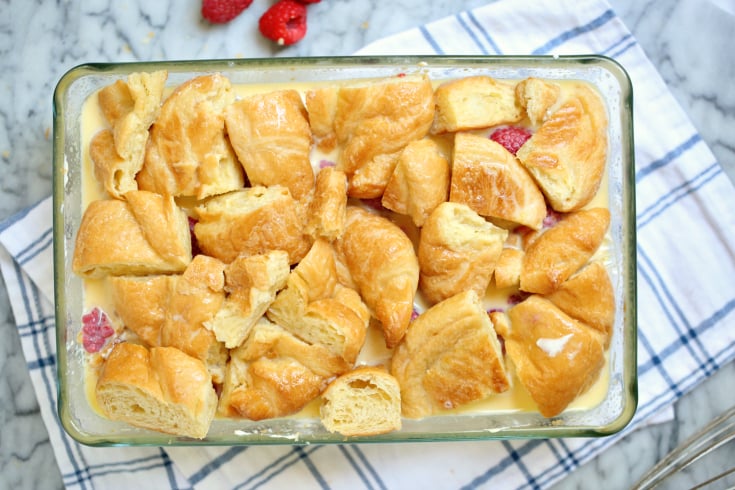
(686, 262)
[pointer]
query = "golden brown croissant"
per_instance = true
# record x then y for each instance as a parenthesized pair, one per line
(188, 153)
(162, 389)
(146, 234)
(563, 249)
(420, 181)
(319, 310)
(130, 107)
(588, 296)
(251, 284)
(272, 139)
(537, 97)
(321, 104)
(473, 103)
(556, 358)
(363, 402)
(142, 303)
(373, 121)
(198, 296)
(115, 173)
(327, 209)
(567, 155)
(508, 268)
(383, 264)
(458, 251)
(274, 374)
(252, 221)
(489, 179)
(450, 356)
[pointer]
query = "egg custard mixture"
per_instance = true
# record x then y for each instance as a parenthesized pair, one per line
(363, 252)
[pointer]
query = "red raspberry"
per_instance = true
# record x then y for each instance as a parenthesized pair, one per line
(511, 137)
(284, 22)
(96, 330)
(221, 11)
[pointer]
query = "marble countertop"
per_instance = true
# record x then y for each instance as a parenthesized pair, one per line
(689, 41)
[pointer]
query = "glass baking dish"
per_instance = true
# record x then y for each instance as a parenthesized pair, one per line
(84, 424)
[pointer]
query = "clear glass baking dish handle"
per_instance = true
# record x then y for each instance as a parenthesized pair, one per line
(718, 432)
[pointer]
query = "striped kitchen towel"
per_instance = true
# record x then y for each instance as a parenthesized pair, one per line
(685, 208)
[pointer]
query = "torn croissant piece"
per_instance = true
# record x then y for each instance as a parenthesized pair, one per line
(162, 389)
(383, 265)
(556, 358)
(489, 179)
(327, 209)
(537, 97)
(420, 181)
(588, 297)
(457, 252)
(252, 221)
(317, 309)
(198, 296)
(474, 103)
(142, 303)
(370, 180)
(145, 234)
(274, 374)
(562, 250)
(130, 107)
(363, 402)
(188, 153)
(567, 154)
(321, 105)
(508, 268)
(449, 357)
(272, 139)
(373, 121)
(115, 173)
(251, 284)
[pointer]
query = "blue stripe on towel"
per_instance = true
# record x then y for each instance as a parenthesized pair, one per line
(577, 31)
(430, 39)
(33, 248)
(673, 311)
(673, 196)
(502, 465)
(517, 458)
(19, 215)
(355, 463)
(485, 33)
(471, 33)
(129, 466)
(36, 327)
(668, 158)
(215, 464)
(370, 468)
(276, 467)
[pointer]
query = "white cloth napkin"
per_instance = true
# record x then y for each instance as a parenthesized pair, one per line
(686, 250)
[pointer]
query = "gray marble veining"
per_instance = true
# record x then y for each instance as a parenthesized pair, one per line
(689, 41)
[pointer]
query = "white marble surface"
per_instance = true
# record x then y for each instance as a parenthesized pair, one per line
(689, 41)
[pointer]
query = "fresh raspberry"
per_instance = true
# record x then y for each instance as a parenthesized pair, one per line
(96, 330)
(284, 22)
(222, 11)
(511, 137)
